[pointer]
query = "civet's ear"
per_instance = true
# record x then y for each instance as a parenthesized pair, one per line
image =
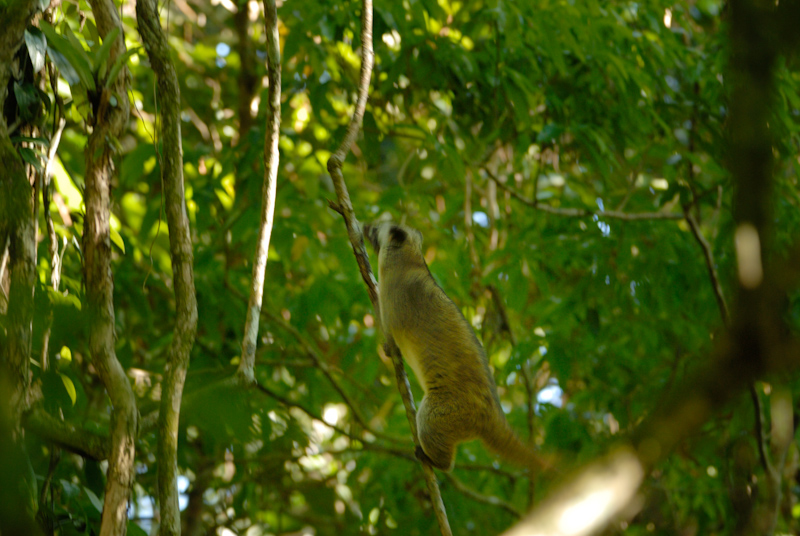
(397, 235)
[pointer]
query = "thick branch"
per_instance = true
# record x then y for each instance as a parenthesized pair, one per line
(345, 207)
(180, 245)
(110, 120)
(68, 436)
(271, 160)
(16, 229)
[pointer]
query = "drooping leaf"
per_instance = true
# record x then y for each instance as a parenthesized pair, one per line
(102, 52)
(36, 44)
(70, 387)
(31, 157)
(119, 63)
(72, 51)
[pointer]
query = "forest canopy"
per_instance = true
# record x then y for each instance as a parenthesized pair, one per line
(608, 192)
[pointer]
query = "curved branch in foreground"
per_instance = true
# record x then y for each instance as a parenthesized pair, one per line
(582, 212)
(180, 244)
(345, 207)
(271, 160)
(110, 121)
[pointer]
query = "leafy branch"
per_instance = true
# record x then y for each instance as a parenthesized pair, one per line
(581, 212)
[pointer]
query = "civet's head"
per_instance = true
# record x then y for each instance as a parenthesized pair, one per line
(387, 235)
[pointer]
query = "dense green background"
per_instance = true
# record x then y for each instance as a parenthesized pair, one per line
(595, 105)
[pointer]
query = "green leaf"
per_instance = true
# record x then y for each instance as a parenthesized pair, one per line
(70, 387)
(73, 52)
(372, 140)
(28, 139)
(117, 239)
(37, 47)
(119, 63)
(549, 133)
(28, 101)
(64, 66)
(96, 502)
(135, 530)
(64, 300)
(102, 53)
(30, 156)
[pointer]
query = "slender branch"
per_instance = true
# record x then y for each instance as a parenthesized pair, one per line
(712, 270)
(319, 362)
(109, 122)
(291, 404)
(326, 371)
(761, 439)
(345, 207)
(582, 212)
(271, 160)
(180, 245)
(481, 498)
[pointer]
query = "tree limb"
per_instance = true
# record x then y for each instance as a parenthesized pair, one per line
(180, 245)
(271, 160)
(68, 436)
(109, 123)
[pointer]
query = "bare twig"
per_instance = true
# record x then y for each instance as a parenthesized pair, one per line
(180, 245)
(481, 498)
(345, 207)
(712, 270)
(319, 362)
(326, 371)
(582, 212)
(271, 161)
(291, 404)
(761, 440)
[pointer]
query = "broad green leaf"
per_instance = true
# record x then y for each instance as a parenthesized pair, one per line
(72, 51)
(31, 157)
(117, 239)
(70, 387)
(102, 52)
(40, 141)
(65, 354)
(28, 101)
(96, 502)
(119, 63)
(37, 47)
